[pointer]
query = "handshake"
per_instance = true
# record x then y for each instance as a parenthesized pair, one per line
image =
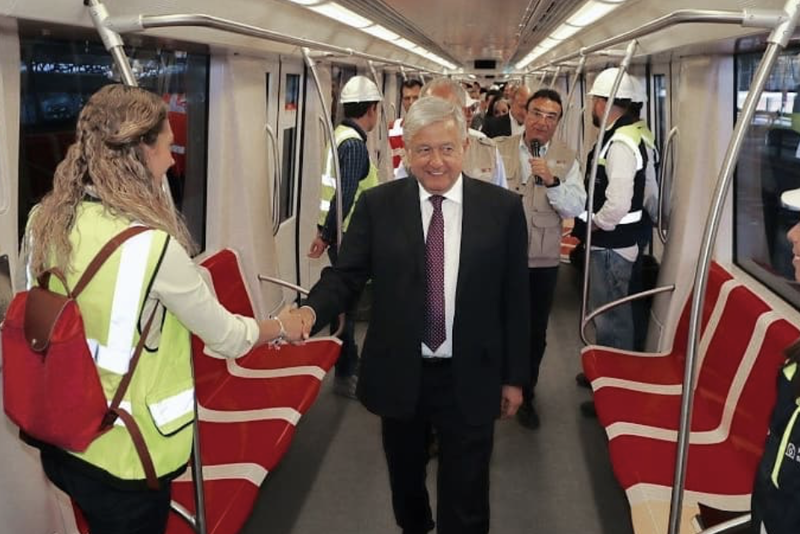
(292, 325)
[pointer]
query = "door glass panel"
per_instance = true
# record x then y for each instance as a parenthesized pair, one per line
(290, 134)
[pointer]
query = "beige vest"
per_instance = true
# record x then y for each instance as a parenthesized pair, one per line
(480, 160)
(544, 223)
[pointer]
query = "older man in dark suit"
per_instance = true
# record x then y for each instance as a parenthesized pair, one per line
(448, 342)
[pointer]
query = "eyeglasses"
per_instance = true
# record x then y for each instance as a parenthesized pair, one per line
(427, 151)
(538, 114)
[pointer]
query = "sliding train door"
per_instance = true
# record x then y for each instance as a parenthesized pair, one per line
(288, 121)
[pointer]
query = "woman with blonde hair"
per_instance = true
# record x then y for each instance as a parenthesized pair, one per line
(110, 180)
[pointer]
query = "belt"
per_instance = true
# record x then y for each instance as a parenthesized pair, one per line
(435, 361)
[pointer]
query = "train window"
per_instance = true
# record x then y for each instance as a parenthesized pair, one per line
(290, 135)
(769, 164)
(58, 77)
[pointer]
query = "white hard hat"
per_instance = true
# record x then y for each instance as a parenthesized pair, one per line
(641, 91)
(359, 89)
(605, 81)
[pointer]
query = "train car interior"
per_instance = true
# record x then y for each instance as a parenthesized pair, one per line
(253, 93)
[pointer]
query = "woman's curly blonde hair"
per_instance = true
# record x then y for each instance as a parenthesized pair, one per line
(107, 156)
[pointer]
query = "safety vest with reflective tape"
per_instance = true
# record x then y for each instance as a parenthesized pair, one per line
(328, 188)
(161, 394)
(628, 230)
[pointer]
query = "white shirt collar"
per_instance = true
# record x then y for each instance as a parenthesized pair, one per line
(456, 193)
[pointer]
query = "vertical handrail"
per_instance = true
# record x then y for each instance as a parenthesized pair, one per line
(394, 113)
(331, 141)
(276, 181)
(662, 180)
(384, 139)
(777, 40)
(592, 177)
(116, 47)
(111, 40)
(570, 95)
(555, 77)
(541, 80)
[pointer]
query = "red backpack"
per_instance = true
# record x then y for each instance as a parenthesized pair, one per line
(51, 388)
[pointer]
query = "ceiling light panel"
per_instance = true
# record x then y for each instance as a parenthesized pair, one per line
(342, 14)
(590, 13)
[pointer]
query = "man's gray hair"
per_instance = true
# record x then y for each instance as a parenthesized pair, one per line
(430, 110)
(446, 84)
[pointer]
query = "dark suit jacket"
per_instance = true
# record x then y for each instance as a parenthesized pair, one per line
(384, 242)
(497, 126)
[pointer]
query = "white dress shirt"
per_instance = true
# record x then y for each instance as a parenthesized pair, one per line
(452, 210)
(569, 198)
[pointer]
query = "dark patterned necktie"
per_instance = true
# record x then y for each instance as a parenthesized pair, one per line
(435, 329)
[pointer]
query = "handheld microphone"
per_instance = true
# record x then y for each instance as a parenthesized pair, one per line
(536, 149)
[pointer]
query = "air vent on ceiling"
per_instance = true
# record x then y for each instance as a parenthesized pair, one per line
(486, 64)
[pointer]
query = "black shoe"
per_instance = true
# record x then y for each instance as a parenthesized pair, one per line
(527, 416)
(582, 381)
(588, 409)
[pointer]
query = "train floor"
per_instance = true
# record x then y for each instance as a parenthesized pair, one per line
(553, 480)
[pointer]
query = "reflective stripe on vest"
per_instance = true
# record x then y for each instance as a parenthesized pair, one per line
(630, 136)
(788, 372)
(629, 218)
(116, 354)
(328, 186)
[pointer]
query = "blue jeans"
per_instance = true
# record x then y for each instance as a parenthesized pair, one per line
(611, 276)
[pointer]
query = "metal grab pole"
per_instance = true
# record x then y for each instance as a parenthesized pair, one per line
(541, 80)
(555, 77)
(331, 141)
(662, 233)
(111, 40)
(777, 40)
(570, 94)
(592, 177)
(384, 119)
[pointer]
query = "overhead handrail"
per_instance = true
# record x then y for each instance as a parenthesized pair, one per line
(778, 40)
(303, 291)
(541, 80)
(731, 525)
(276, 181)
(748, 18)
(326, 112)
(623, 68)
(403, 73)
(662, 180)
(556, 74)
(137, 23)
(384, 116)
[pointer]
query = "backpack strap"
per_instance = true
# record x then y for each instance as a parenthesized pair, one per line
(115, 411)
(101, 257)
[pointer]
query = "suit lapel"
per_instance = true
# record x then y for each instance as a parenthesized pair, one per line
(411, 221)
(470, 229)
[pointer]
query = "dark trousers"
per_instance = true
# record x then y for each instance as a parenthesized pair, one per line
(542, 289)
(109, 510)
(464, 451)
(347, 364)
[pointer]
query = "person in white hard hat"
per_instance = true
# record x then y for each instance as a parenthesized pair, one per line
(481, 159)
(617, 216)
(359, 97)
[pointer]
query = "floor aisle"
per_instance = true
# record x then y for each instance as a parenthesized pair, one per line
(555, 480)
